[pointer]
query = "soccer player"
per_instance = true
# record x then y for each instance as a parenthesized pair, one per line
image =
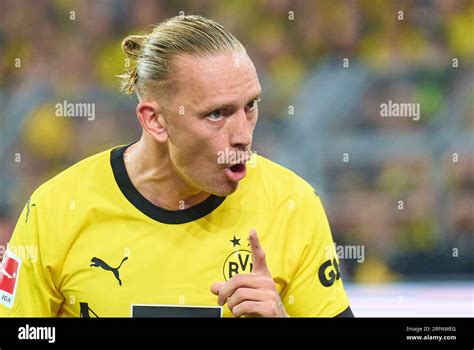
(187, 221)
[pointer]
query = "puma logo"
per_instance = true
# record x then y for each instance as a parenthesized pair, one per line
(96, 262)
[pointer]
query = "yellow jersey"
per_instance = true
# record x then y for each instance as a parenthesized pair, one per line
(88, 244)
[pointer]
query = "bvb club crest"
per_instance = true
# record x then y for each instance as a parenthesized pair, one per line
(239, 261)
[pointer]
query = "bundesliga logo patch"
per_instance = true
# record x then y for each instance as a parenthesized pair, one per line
(9, 270)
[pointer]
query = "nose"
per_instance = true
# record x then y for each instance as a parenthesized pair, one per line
(241, 130)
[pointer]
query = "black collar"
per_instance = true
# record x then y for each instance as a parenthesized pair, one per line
(148, 208)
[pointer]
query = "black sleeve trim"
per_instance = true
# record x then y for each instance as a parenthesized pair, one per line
(346, 313)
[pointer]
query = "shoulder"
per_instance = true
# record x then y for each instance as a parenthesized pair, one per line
(56, 209)
(280, 181)
(76, 178)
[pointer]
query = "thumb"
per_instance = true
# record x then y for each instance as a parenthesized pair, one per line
(258, 255)
(216, 287)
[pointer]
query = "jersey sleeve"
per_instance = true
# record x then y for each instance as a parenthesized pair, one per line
(316, 289)
(26, 284)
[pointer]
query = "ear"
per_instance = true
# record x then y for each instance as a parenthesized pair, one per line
(152, 121)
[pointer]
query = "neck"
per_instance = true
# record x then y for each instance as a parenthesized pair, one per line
(153, 174)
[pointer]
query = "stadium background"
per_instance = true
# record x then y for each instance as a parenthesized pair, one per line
(325, 68)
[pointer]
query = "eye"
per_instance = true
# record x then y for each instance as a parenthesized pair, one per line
(253, 104)
(215, 116)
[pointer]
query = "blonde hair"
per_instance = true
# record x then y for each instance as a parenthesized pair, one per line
(152, 54)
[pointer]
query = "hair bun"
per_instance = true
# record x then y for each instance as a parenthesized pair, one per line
(132, 45)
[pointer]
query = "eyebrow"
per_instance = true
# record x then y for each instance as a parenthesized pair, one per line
(219, 106)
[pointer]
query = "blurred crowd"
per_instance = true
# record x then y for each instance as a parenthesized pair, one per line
(350, 55)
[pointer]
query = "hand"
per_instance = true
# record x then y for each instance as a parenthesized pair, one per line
(252, 294)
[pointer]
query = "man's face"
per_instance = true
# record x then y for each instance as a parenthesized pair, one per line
(213, 114)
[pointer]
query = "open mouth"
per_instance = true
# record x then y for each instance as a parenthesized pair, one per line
(236, 172)
(237, 168)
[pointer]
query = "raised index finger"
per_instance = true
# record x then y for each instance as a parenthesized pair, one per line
(258, 255)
